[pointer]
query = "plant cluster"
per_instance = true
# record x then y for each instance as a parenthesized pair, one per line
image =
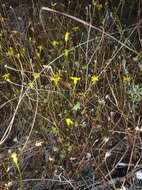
(71, 95)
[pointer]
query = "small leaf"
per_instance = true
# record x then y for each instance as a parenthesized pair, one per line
(77, 106)
(77, 63)
(135, 59)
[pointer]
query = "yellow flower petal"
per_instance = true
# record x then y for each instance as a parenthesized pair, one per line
(55, 43)
(126, 79)
(94, 78)
(14, 157)
(75, 28)
(31, 85)
(36, 75)
(75, 80)
(40, 48)
(69, 121)
(66, 53)
(67, 36)
(56, 79)
(10, 52)
(6, 76)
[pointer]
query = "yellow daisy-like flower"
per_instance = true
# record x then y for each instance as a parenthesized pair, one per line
(6, 76)
(66, 52)
(10, 52)
(31, 85)
(69, 121)
(36, 75)
(14, 158)
(56, 79)
(40, 48)
(75, 80)
(67, 34)
(94, 78)
(126, 79)
(55, 43)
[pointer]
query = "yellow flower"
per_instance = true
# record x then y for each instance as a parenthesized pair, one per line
(22, 52)
(6, 76)
(75, 28)
(94, 78)
(37, 53)
(18, 55)
(10, 52)
(69, 121)
(75, 80)
(14, 158)
(31, 85)
(36, 75)
(67, 34)
(56, 79)
(40, 48)
(99, 6)
(66, 53)
(55, 43)
(126, 79)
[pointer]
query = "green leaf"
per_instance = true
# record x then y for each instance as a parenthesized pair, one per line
(136, 59)
(77, 63)
(77, 106)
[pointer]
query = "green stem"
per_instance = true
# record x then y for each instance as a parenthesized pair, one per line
(20, 175)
